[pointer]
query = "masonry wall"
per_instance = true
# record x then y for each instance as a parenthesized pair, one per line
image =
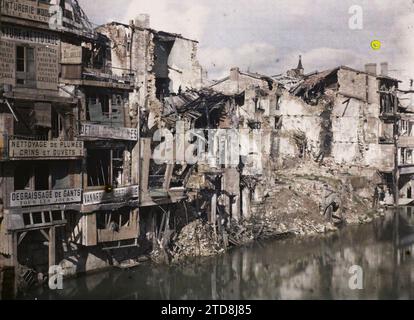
(356, 130)
(185, 71)
(239, 82)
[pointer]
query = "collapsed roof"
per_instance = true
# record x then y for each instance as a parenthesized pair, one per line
(75, 19)
(194, 104)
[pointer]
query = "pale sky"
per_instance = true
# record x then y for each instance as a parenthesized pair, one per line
(267, 36)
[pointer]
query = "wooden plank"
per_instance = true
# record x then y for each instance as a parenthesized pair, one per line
(21, 237)
(126, 233)
(52, 247)
(91, 231)
(46, 235)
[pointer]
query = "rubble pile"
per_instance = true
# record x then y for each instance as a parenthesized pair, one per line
(197, 239)
(294, 206)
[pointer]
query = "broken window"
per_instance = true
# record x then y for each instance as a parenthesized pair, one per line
(278, 100)
(32, 176)
(406, 156)
(41, 176)
(60, 177)
(162, 88)
(43, 121)
(409, 156)
(109, 220)
(23, 177)
(278, 123)
(58, 125)
(156, 175)
(98, 167)
(25, 66)
(404, 128)
(105, 108)
(105, 167)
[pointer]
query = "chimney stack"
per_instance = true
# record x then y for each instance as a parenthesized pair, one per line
(371, 68)
(384, 69)
(142, 21)
(234, 74)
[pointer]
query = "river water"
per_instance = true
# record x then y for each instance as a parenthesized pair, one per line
(315, 268)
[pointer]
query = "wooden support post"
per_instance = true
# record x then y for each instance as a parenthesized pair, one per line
(145, 164)
(168, 177)
(15, 244)
(52, 246)
(213, 220)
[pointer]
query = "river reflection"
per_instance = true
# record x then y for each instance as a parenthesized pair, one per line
(290, 269)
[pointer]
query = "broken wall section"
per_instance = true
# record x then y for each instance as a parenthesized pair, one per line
(339, 120)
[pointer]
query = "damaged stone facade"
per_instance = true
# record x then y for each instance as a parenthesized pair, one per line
(341, 116)
(164, 64)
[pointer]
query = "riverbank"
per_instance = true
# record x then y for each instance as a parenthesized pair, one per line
(315, 267)
(297, 200)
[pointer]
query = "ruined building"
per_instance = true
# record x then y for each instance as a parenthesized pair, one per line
(96, 122)
(345, 116)
(68, 142)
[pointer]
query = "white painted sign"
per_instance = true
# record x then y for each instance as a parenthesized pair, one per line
(26, 149)
(71, 54)
(117, 195)
(106, 132)
(47, 197)
(26, 9)
(27, 35)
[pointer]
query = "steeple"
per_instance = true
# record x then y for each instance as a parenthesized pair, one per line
(300, 66)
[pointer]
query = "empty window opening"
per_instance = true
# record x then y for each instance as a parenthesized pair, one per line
(40, 176)
(25, 66)
(105, 167)
(58, 125)
(108, 220)
(406, 156)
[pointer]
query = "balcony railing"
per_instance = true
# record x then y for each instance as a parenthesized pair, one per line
(107, 74)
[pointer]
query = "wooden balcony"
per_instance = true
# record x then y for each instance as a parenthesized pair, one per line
(104, 77)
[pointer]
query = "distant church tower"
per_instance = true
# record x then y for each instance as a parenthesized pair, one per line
(299, 72)
(300, 69)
